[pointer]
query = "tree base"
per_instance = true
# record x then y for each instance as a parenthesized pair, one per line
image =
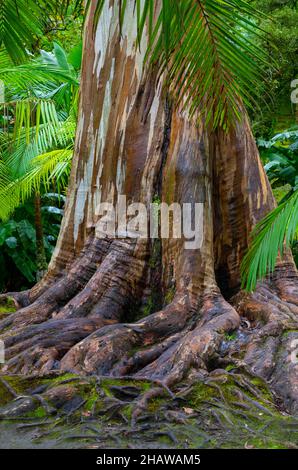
(85, 336)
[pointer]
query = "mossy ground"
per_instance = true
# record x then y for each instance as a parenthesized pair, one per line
(7, 307)
(224, 410)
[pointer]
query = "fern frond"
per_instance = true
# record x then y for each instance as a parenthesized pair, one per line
(269, 239)
(43, 169)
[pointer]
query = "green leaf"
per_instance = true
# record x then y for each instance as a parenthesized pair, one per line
(269, 239)
(11, 242)
(21, 21)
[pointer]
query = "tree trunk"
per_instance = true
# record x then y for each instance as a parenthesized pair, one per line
(41, 261)
(87, 314)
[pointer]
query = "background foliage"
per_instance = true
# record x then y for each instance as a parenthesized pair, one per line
(37, 128)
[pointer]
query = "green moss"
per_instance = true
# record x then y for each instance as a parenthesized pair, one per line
(266, 396)
(22, 385)
(5, 396)
(226, 387)
(249, 419)
(288, 332)
(7, 310)
(92, 399)
(61, 378)
(230, 336)
(127, 411)
(141, 384)
(155, 404)
(7, 302)
(170, 294)
(7, 306)
(40, 412)
(221, 412)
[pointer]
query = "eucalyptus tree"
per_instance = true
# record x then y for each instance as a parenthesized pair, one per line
(162, 118)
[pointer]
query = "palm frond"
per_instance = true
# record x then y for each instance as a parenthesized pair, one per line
(269, 239)
(17, 155)
(4, 176)
(26, 166)
(205, 48)
(37, 144)
(21, 21)
(207, 51)
(43, 169)
(33, 74)
(19, 25)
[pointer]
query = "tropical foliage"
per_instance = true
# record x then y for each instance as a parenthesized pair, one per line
(281, 159)
(278, 230)
(36, 142)
(279, 153)
(24, 13)
(281, 44)
(23, 22)
(18, 241)
(37, 127)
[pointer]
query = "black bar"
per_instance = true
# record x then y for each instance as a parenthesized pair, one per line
(36, 458)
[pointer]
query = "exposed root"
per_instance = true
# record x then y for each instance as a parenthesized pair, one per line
(34, 344)
(102, 350)
(198, 347)
(60, 292)
(167, 346)
(243, 414)
(192, 333)
(8, 387)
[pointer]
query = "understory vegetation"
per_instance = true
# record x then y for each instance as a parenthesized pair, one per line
(37, 130)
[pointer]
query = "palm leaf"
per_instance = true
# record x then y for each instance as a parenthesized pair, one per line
(21, 21)
(43, 169)
(36, 147)
(269, 239)
(205, 47)
(35, 74)
(206, 50)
